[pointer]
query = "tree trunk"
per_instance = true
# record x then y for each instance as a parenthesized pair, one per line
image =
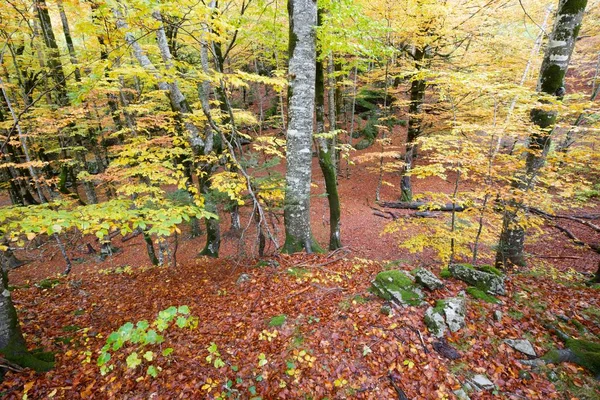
(326, 151)
(552, 73)
(301, 95)
(12, 343)
(415, 119)
(68, 38)
(56, 70)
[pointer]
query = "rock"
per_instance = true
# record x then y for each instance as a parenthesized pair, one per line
(395, 285)
(498, 315)
(525, 375)
(434, 319)
(445, 350)
(447, 314)
(386, 309)
(552, 376)
(427, 279)
(455, 310)
(482, 382)
(243, 278)
(363, 144)
(522, 345)
(489, 282)
(461, 394)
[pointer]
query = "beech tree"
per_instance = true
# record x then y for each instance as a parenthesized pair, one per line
(551, 88)
(301, 97)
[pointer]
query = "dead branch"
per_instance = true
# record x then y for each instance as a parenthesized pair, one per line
(421, 205)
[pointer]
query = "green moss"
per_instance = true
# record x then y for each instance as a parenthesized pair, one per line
(445, 273)
(294, 245)
(278, 320)
(573, 7)
(587, 354)
(481, 295)
(297, 272)
(395, 284)
(490, 270)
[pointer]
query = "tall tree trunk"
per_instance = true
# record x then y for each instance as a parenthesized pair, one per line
(301, 96)
(326, 149)
(552, 73)
(415, 119)
(67, 32)
(54, 63)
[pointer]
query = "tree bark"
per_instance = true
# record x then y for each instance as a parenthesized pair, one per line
(301, 95)
(67, 32)
(326, 151)
(54, 63)
(554, 67)
(415, 119)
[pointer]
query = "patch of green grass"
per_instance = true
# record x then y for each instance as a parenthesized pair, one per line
(459, 367)
(278, 320)
(79, 312)
(481, 295)
(297, 272)
(71, 328)
(515, 314)
(49, 283)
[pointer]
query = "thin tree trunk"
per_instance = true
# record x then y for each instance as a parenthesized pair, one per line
(68, 38)
(301, 95)
(552, 73)
(326, 150)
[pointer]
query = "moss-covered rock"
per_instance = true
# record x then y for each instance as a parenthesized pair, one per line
(434, 319)
(486, 281)
(397, 286)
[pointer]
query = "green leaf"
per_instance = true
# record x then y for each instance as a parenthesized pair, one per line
(181, 322)
(148, 356)
(142, 325)
(152, 371)
(252, 390)
(166, 352)
(278, 320)
(219, 363)
(183, 310)
(133, 360)
(103, 358)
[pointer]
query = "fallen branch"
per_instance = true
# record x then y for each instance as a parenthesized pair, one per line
(382, 215)
(558, 257)
(421, 205)
(553, 216)
(398, 389)
(570, 235)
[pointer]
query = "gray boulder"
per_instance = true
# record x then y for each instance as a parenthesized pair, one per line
(434, 320)
(455, 310)
(243, 278)
(397, 286)
(522, 345)
(427, 279)
(489, 282)
(447, 314)
(461, 394)
(482, 382)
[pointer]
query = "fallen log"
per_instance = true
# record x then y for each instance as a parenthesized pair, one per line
(421, 205)
(553, 216)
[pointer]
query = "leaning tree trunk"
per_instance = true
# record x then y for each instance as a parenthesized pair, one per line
(326, 149)
(552, 73)
(415, 120)
(301, 97)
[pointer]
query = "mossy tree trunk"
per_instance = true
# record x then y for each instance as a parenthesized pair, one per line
(326, 151)
(301, 97)
(552, 73)
(12, 343)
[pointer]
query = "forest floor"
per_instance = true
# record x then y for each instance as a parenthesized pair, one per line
(329, 338)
